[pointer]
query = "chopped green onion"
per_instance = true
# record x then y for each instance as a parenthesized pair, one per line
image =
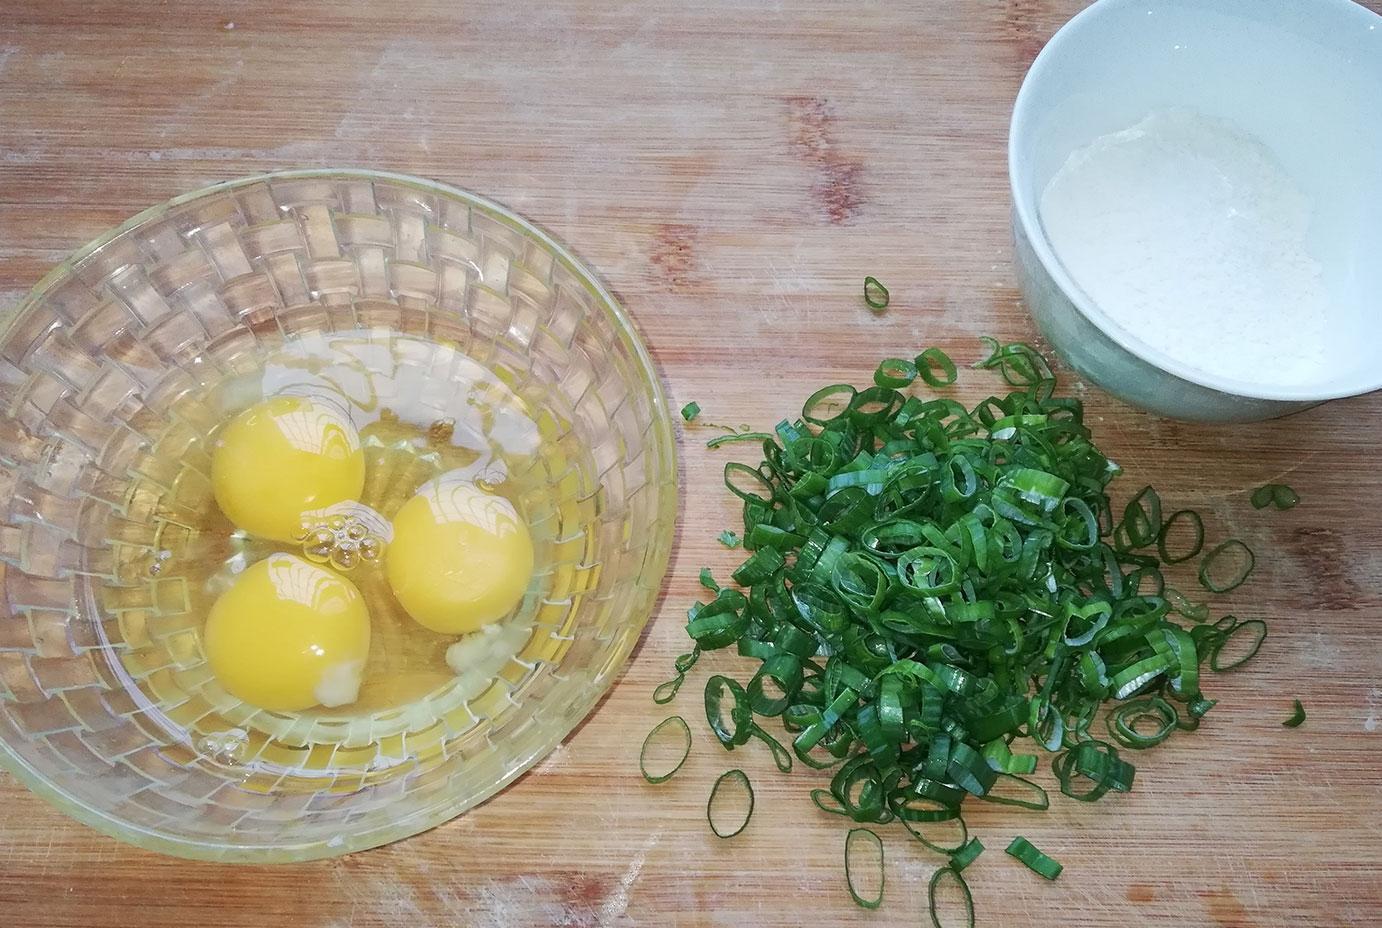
(1183, 606)
(719, 440)
(667, 691)
(653, 744)
(1276, 495)
(933, 896)
(875, 294)
(927, 588)
(1239, 560)
(1297, 717)
(1029, 795)
(690, 411)
(1196, 544)
(733, 793)
(781, 756)
(1123, 722)
(1256, 634)
(862, 843)
(1098, 763)
(895, 373)
(737, 728)
(919, 830)
(935, 368)
(966, 855)
(1035, 860)
(729, 539)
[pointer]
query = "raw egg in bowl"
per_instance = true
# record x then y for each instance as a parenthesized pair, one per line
(336, 500)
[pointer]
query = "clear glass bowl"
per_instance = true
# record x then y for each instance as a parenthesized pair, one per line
(96, 714)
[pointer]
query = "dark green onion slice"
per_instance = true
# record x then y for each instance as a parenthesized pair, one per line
(1035, 860)
(781, 756)
(667, 691)
(966, 855)
(1277, 495)
(733, 787)
(1097, 762)
(875, 294)
(736, 729)
(1165, 537)
(1297, 716)
(690, 411)
(935, 368)
(708, 581)
(927, 833)
(719, 440)
(1142, 522)
(895, 373)
(672, 727)
(1184, 606)
(1226, 566)
(729, 539)
(1028, 795)
(933, 891)
(864, 867)
(1128, 723)
(825, 801)
(1256, 633)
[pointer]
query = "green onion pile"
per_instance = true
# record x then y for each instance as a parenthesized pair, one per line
(936, 596)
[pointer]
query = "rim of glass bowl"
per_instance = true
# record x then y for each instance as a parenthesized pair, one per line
(439, 812)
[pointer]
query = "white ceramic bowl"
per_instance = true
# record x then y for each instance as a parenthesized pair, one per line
(1303, 76)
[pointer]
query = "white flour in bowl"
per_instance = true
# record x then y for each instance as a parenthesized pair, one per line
(1191, 236)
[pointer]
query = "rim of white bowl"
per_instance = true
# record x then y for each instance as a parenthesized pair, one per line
(1041, 246)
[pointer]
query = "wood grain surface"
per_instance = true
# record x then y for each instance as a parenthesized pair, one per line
(732, 169)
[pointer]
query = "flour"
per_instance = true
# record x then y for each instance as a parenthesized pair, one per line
(1191, 237)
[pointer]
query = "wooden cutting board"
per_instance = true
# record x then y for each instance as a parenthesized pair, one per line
(733, 169)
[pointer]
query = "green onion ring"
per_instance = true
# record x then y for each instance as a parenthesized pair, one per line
(875, 294)
(674, 721)
(895, 373)
(1122, 722)
(740, 715)
(935, 368)
(730, 779)
(667, 691)
(931, 892)
(855, 843)
(1197, 526)
(1246, 562)
(1259, 635)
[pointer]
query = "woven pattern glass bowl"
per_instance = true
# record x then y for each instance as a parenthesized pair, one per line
(104, 359)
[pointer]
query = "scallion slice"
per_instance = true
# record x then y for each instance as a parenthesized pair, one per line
(933, 901)
(864, 867)
(1297, 716)
(1276, 495)
(966, 855)
(1035, 860)
(875, 294)
(1226, 566)
(659, 739)
(690, 411)
(730, 805)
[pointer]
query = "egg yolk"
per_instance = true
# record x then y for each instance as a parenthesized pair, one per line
(460, 558)
(289, 635)
(284, 457)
